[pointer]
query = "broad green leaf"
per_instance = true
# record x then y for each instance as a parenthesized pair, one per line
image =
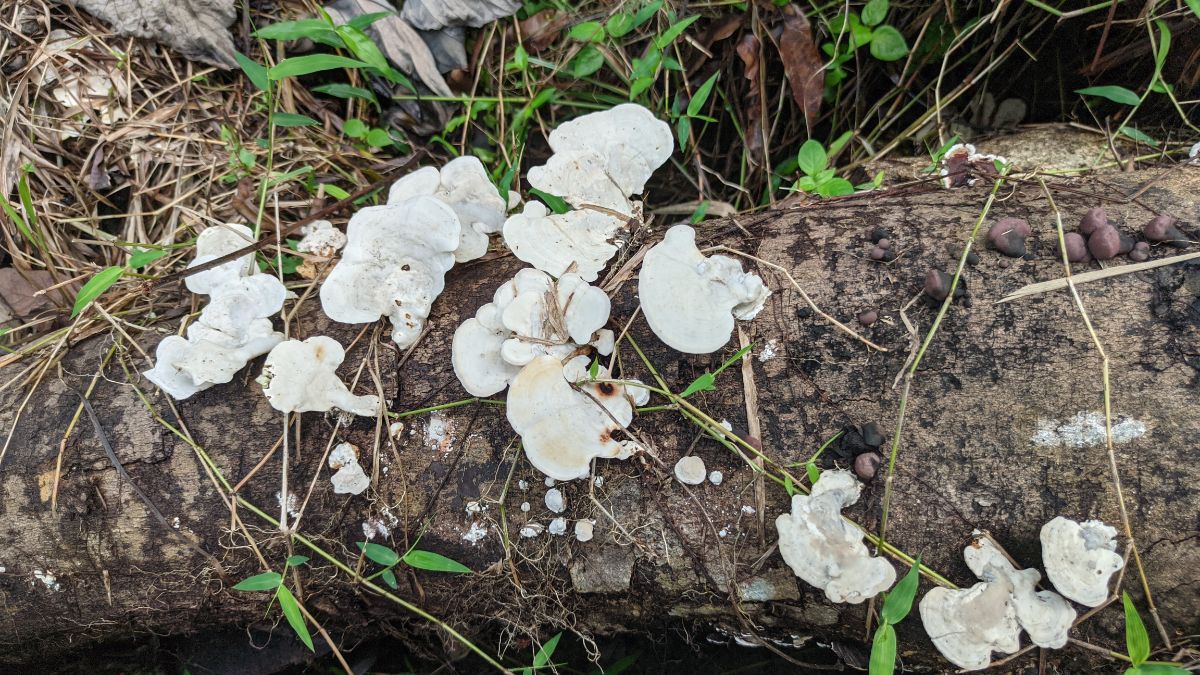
(317, 30)
(267, 581)
(1156, 669)
(874, 12)
(335, 191)
(291, 611)
(363, 20)
(887, 44)
(594, 368)
(379, 554)
(520, 59)
(286, 119)
(620, 666)
(619, 24)
(555, 203)
(1139, 136)
(823, 176)
(1164, 46)
(297, 560)
(434, 562)
(806, 184)
(788, 485)
(683, 131)
(364, 48)
(141, 257)
(587, 61)
(546, 652)
(898, 602)
(838, 143)
(355, 128)
(813, 473)
(883, 651)
(669, 35)
(588, 31)
(640, 85)
(702, 94)
(312, 63)
(700, 212)
(389, 578)
(1137, 640)
(646, 13)
(1111, 92)
(379, 138)
(705, 382)
(1195, 5)
(811, 157)
(255, 72)
(95, 287)
(835, 187)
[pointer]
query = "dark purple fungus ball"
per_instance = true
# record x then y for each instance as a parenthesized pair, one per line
(867, 465)
(868, 317)
(1105, 243)
(1008, 236)
(1077, 250)
(1162, 228)
(1140, 252)
(937, 284)
(1094, 219)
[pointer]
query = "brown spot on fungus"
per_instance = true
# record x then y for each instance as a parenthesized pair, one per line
(1093, 220)
(1077, 250)
(606, 389)
(1105, 243)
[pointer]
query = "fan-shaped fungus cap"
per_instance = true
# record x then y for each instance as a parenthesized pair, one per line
(349, 477)
(691, 301)
(1045, 615)
(1105, 243)
(603, 158)
(394, 265)
(1094, 219)
(1080, 558)
(690, 470)
(556, 242)
(825, 549)
(213, 243)
(301, 377)
(464, 186)
(561, 429)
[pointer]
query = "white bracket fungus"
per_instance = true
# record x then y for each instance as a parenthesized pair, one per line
(530, 315)
(231, 329)
(600, 160)
(691, 301)
(463, 185)
(967, 625)
(825, 549)
(349, 477)
(1080, 558)
(394, 265)
(302, 377)
(562, 429)
(321, 239)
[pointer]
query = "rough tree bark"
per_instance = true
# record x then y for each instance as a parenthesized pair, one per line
(971, 454)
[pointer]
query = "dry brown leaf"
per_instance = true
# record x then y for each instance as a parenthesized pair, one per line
(541, 30)
(18, 289)
(802, 63)
(747, 50)
(720, 30)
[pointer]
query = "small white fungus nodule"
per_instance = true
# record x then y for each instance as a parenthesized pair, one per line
(348, 477)
(716, 477)
(585, 529)
(690, 470)
(558, 526)
(555, 501)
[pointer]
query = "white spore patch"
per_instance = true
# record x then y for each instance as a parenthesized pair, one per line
(769, 351)
(439, 433)
(476, 534)
(48, 580)
(1086, 430)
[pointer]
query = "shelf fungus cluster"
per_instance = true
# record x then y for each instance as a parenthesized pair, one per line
(690, 300)
(301, 376)
(825, 549)
(231, 329)
(1080, 558)
(600, 161)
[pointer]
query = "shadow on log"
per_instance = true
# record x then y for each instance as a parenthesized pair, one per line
(1000, 435)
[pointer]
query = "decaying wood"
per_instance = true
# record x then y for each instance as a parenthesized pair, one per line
(987, 444)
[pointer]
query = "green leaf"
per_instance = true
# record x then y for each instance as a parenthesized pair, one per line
(646, 13)
(702, 94)
(291, 611)
(1137, 640)
(874, 12)
(317, 30)
(813, 473)
(705, 382)
(835, 187)
(683, 131)
(379, 554)
(1156, 669)
(312, 63)
(556, 204)
(1195, 5)
(811, 157)
(788, 485)
(883, 651)
(95, 287)
(640, 85)
(286, 119)
(594, 369)
(543, 655)
(588, 31)
(255, 72)
(379, 138)
(700, 212)
(141, 257)
(838, 143)
(887, 44)
(389, 578)
(362, 21)
(335, 191)
(1164, 46)
(587, 61)
(364, 48)
(266, 581)
(355, 128)
(1139, 136)
(806, 184)
(1111, 92)
(669, 35)
(898, 602)
(619, 24)
(297, 560)
(434, 562)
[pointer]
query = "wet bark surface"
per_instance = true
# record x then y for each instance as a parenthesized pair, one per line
(987, 443)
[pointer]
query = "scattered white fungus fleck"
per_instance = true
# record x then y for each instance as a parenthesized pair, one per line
(396, 430)
(292, 502)
(3, 569)
(532, 530)
(525, 507)
(716, 477)
(48, 580)
(476, 534)
(724, 532)
(175, 522)
(555, 501)
(374, 527)
(748, 510)
(1086, 430)
(769, 351)
(439, 434)
(727, 424)
(549, 482)
(523, 484)
(475, 507)
(584, 529)
(558, 526)
(690, 470)
(598, 481)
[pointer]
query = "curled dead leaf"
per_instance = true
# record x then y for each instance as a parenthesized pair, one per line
(541, 30)
(802, 63)
(748, 51)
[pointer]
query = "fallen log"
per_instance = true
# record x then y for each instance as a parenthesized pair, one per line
(1000, 434)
